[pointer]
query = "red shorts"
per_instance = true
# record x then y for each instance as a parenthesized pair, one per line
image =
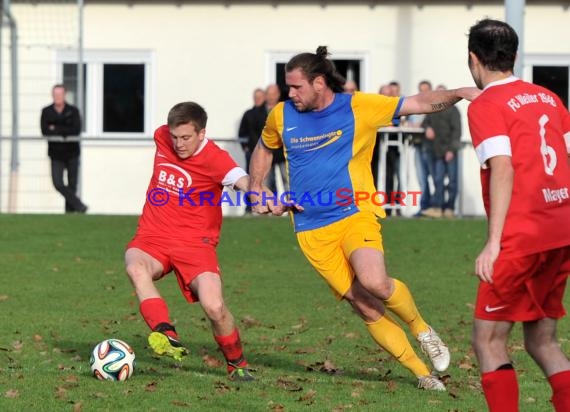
(525, 288)
(187, 259)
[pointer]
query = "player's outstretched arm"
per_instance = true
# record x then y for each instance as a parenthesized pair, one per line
(260, 164)
(436, 100)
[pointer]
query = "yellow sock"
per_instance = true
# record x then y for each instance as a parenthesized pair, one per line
(391, 337)
(402, 304)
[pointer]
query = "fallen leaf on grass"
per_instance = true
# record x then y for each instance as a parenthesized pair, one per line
(151, 387)
(466, 364)
(326, 367)
(277, 407)
(288, 385)
(77, 406)
(356, 394)
(330, 368)
(249, 322)
(70, 378)
(221, 387)
(308, 397)
(530, 400)
(180, 403)
(341, 408)
(212, 362)
(391, 386)
(17, 345)
(60, 392)
(305, 350)
(3, 297)
(12, 393)
(38, 338)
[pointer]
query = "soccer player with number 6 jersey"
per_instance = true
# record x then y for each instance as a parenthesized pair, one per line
(521, 134)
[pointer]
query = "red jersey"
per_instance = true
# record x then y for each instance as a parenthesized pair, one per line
(531, 125)
(183, 199)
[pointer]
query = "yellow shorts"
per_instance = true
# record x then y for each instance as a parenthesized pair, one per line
(328, 248)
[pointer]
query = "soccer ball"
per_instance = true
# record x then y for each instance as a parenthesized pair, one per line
(112, 360)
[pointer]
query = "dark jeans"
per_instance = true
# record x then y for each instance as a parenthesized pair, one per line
(442, 169)
(424, 169)
(58, 167)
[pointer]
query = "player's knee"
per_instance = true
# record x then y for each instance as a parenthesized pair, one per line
(215, 310)
(379, 287)
(137, 271)
(535, 346)
(368, 310)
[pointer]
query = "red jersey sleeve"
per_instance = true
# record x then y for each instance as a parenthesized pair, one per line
(162, 139)
(224, 170)
(489, 131)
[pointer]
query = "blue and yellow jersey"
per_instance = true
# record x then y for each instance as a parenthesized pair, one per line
(328, 154)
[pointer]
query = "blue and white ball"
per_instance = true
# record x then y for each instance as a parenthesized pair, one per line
(112, 360)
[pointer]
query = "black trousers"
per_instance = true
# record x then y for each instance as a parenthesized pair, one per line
(58, 168)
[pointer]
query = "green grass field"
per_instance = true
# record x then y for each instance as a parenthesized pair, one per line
(63, 289)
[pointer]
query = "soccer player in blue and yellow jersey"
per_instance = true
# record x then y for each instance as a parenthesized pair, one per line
(328, 139)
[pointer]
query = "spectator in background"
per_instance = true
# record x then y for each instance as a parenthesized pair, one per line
(350, 87)
(63, 120)
(444, 130)
(251, 124)
(385, 89)
(423, 155)
(395, 88)
(393, 159)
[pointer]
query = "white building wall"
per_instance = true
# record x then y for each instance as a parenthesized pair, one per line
(216, 55)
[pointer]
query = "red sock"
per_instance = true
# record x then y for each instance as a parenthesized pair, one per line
(231, 348)
(501, 390)
(560, 383)
(154, 312)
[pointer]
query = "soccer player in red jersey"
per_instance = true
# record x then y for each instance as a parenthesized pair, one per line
(521, 134)
(179, 231)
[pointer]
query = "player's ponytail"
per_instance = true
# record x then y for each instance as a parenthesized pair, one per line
(318, 64)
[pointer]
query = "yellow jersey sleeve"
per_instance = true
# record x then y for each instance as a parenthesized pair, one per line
(273, 129)
(376, 110)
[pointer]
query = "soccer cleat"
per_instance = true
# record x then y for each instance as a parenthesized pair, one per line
(430, 383)
(163, 344)
(435, 349)
(242, 374)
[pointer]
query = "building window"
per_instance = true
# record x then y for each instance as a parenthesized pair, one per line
(117, 91)
(123, 98)
(554, 78)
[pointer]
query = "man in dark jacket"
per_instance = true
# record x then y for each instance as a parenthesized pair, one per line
(444, 130)
(59, 122)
